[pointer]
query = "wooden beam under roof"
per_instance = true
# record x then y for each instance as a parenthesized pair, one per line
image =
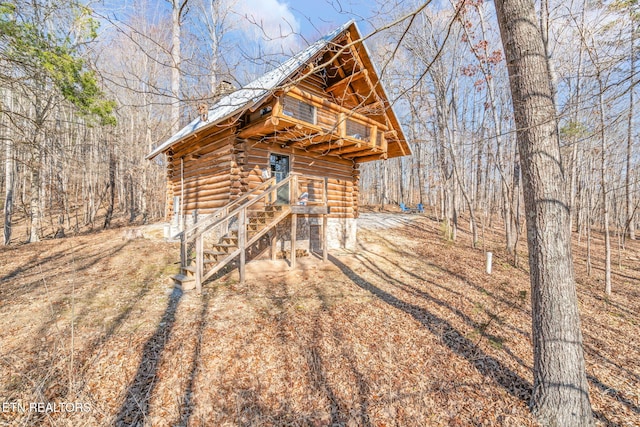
(356, 148)
(320, 139)
(360, 64)
(346, 81)
(327, 146)
(370, 158)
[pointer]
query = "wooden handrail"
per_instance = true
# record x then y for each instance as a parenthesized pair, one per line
(317, 101)
(195, 234)
(244, 206)
(225, 208)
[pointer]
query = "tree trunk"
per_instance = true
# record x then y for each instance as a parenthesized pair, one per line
(176, 14)
(9, 182)
(112, 191)
(35, 212)
(628, 182)
(560, 390)
(603, 187)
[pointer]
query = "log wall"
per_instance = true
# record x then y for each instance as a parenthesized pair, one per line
(342, 193)
(206, 171)
(222, 170)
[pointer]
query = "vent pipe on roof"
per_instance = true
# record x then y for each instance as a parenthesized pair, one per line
(224, 88)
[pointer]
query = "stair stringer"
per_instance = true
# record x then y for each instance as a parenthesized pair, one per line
(286, 211)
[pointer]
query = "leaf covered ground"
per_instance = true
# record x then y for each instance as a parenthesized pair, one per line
(407, 330)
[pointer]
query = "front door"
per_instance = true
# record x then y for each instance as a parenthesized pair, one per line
(279, 164)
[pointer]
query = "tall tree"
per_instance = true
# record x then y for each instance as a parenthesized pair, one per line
(178, 9)
(42, 45)
(9, 170)
(560, 391)
(634, 17)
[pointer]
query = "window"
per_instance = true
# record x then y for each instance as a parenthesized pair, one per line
(358, 130)
(299, 110)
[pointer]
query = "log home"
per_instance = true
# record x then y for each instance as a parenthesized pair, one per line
(276, 162)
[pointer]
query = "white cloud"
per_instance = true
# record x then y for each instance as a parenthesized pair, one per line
(270, 21)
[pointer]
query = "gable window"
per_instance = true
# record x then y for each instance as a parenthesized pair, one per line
(358, 130)
(298, 109)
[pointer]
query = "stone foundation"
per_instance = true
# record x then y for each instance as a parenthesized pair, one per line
(341, 232)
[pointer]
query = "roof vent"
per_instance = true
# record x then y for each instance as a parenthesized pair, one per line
(225, 87)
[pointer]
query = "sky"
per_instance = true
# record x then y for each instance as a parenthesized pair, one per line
(310, 18)
(326, 15)
(267, 30)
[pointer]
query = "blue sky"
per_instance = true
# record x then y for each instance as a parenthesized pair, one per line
(324, 15)
(311, 18)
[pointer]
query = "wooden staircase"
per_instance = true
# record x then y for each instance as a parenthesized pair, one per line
(210, 245)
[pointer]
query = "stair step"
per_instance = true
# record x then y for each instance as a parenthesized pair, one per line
(257, 220)
(230, 239)
(216, 256)
(182, 278)
(224, 245)
(214, 253)
(190, 271)
(226, 248)
(183, 282)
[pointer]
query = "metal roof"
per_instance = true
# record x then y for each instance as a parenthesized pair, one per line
(252, 93)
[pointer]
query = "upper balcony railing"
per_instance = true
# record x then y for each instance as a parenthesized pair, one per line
(320, 119)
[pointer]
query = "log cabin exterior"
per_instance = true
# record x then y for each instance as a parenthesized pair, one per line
(293, 138)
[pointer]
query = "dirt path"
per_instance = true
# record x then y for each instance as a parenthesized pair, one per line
(406, 330)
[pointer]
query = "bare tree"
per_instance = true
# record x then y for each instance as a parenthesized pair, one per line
(628, 184)
(9, 180)
(178, 10)
(561, 392)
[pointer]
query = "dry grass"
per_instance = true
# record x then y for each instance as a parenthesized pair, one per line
(407, 330)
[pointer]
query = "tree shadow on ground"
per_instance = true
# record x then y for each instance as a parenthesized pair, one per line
(616, 394)
(186, 403)
(452, 338)
(135, 408)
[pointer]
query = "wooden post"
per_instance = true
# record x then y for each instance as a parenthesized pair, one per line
(342, 125)
(325, 252)
(489, 262)
(294, 229)
(293, 189)
(183, 249)
(181, 220)
(199, 263)
(373, 138)
(274, 242)
(325, 195)
(242, 239)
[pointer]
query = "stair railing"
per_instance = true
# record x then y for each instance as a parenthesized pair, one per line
(187, 237)
(239, 214)
(235, 213)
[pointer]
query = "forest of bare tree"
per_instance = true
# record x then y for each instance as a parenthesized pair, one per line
(73, 160)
